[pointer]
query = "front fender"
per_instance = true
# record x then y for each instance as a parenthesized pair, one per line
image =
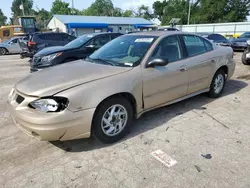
(91, 94)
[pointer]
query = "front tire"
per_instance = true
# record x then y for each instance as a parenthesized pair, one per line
(3, 51)
(218, 84)
(244, 59)
(112, 120)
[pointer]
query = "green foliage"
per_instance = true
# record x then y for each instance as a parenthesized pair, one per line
(128, 13)
(42, 17)
(144, 12)
(27, 4)
(100, 8)
(202, 11)
(60, 7)
(3, 18)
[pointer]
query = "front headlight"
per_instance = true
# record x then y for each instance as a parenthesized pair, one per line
(51, 104)
(49, 58)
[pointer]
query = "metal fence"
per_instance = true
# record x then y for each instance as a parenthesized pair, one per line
(236, 28)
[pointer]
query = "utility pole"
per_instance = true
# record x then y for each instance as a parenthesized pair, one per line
(73, 7)
(189, 11)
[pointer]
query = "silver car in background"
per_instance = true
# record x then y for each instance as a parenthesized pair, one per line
(10, 46)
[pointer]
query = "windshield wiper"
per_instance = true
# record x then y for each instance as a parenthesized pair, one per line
(105, 61)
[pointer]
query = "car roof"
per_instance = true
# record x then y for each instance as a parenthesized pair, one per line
(159, 33)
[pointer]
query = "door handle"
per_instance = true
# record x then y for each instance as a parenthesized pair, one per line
(183, 69)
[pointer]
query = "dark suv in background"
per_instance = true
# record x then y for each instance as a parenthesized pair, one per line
(79, 48)
(38, 41)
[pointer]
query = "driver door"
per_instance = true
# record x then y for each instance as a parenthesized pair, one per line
(14, 46)
(162, 84)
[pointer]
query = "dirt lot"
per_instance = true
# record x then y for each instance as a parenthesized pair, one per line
(208, 138)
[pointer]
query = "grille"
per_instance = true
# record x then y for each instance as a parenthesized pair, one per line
(19, 99)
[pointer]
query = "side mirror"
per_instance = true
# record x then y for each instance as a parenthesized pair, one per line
(248, 42)
(10, 42)
(157, 62)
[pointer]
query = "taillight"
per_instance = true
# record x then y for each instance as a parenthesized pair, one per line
(30, 43)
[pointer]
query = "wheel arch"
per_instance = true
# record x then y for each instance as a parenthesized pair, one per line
(5, 49)
(125, 95)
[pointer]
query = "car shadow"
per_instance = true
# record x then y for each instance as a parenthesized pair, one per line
(152, 119)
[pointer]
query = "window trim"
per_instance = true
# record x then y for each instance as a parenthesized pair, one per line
(202, 39)
(181, 49)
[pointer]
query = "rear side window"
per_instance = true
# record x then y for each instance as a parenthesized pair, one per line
(194, 45)
(55, 37)
(42, 37)
(208, 45)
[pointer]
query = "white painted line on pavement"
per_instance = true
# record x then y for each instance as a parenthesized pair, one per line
(164, 158)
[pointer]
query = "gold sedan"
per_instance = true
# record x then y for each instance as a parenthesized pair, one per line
(130, 75)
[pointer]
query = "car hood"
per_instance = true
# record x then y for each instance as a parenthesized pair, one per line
(3, 45)
(50, 81)
(240, 40)
(51, 50)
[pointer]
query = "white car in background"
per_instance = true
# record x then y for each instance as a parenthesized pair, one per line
(10, 46)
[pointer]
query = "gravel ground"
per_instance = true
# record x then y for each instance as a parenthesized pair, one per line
(208, 138)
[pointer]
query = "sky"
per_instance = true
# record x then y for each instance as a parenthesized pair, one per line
(79, 4)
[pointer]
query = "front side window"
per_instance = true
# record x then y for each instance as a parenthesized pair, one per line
(79, 41)
(100, 41)
(194, 45)
(14, 41)
(169, 49)
(127, 50)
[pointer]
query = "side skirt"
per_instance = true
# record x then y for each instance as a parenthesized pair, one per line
(174, 101)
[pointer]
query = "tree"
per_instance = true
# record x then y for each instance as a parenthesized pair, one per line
(167, 10)
(144, 12)
(202, 11)
(27, 4)
(128, 13)
(60, 7)
(42, 16)
(100, 8)
(3, 18)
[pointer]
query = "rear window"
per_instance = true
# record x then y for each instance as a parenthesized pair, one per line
(217, 38)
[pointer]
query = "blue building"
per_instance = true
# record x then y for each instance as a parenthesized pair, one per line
(80, 25)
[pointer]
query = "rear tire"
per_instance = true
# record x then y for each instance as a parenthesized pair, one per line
(3, 51)
(243, 58)
(218, 84)
(108, 126)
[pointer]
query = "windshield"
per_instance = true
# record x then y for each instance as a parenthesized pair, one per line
(245, 35)
(78, 42)
(127, 50)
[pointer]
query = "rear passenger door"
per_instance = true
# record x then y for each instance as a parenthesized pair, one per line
(200, 62)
